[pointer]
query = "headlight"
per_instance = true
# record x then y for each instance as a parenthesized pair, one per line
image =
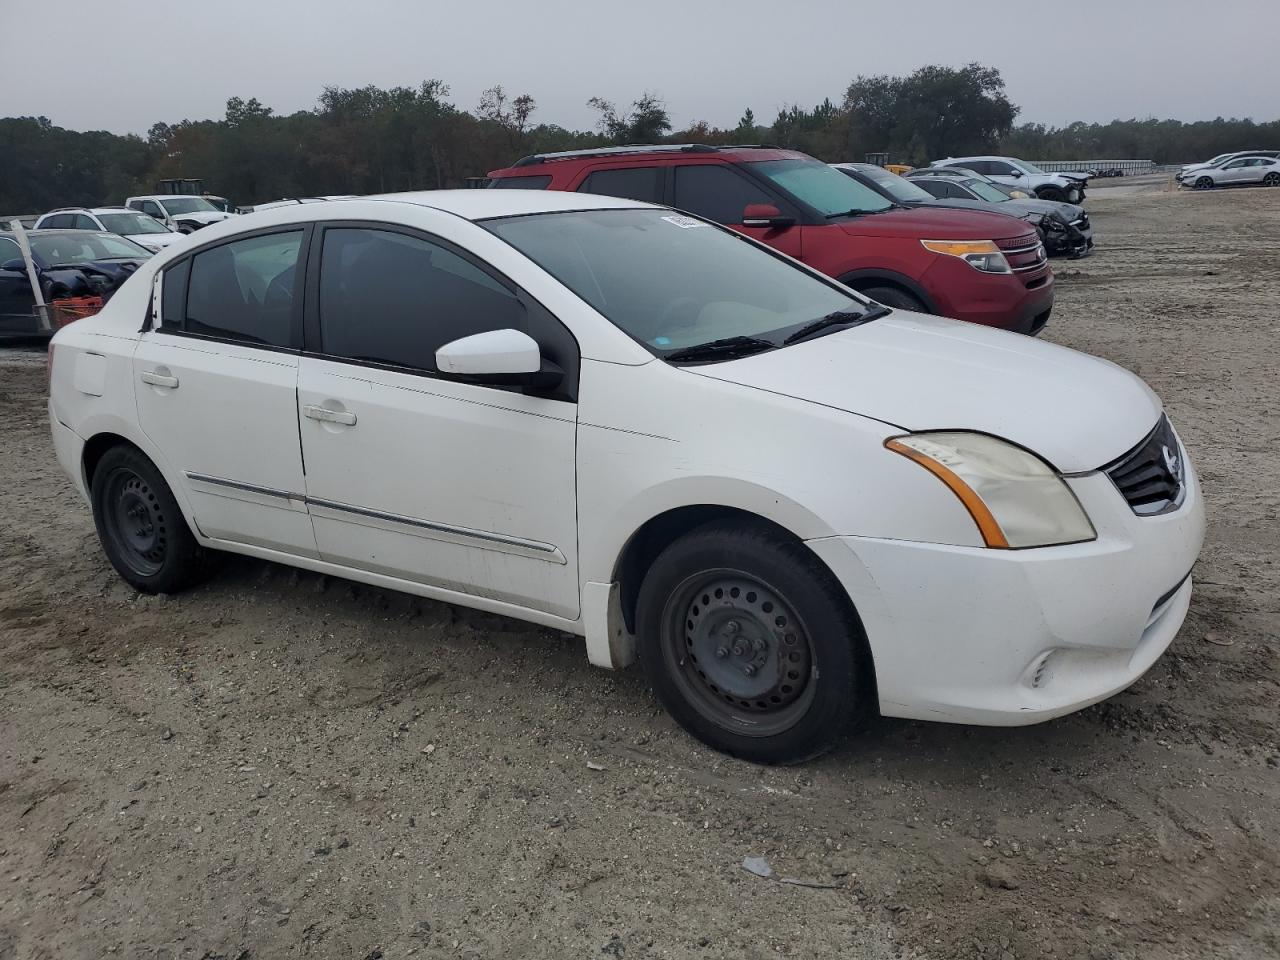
(1051, 222)
(1015, 498)
(982, 255)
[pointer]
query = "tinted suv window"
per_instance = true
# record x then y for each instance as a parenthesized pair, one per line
(59, 221)
(998, 168)
(391, 298)
(84, 222)
(632, 183)
(244, 290)
(521, 183)
(716, 192)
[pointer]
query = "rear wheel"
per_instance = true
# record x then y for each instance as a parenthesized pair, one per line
(751, 645)
(142, 531)
(894, 297)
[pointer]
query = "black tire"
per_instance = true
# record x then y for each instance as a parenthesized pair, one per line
(140, 526)
(1204, 183)
(894, 297)
(751, 644)
(1051, 193)
(1271, 180)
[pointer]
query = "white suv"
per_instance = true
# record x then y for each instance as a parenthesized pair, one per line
(796, 506)
(1065, 187)
(183, 213)
(143, 230)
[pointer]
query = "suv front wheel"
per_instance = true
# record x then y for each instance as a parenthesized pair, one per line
(751, 644)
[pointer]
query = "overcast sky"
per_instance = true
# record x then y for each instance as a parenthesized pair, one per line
(130, 63)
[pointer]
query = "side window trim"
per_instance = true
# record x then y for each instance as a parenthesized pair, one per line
(312, 342)
(296, 325)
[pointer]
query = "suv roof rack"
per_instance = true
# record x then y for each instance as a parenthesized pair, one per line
(65, 209)
(639, 148)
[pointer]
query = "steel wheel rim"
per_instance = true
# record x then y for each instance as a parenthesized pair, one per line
(136, 523)
(739, 652)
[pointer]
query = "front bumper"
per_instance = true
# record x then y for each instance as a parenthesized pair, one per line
(994, 300)
(1013, 637)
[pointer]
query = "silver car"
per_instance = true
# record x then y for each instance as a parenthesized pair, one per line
(1235, 171)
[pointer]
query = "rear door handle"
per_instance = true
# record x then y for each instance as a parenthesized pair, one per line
(159, 379)
(316, 412)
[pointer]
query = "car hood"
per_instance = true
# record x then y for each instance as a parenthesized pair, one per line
(156, 241)
(203, 216)
(1071, 174)
(934, 223)
(919, 372)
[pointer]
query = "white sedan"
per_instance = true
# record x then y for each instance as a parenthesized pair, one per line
(795, 506)
(1236, 171)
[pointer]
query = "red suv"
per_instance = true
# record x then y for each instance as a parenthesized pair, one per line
(983, 267)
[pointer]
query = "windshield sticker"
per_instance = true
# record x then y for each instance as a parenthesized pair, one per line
(683, 222)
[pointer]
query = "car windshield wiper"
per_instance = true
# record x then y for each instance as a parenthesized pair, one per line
(724, 349)
(840, 318)
(855, 212)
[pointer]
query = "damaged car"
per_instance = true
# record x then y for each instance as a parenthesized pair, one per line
(1064, 228)
(77, 272)
(185, 214)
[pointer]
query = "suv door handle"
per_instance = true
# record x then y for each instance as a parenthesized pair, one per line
(316, 412)
(159, 379)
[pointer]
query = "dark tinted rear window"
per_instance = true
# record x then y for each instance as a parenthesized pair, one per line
(631, 183)
(244, 290)
(520, 183)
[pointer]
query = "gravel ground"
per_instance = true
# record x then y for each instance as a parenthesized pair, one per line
(280, 764)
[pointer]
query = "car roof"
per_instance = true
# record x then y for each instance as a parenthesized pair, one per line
(741, 152)
(484, 204)
(111, 210)
(168, 196)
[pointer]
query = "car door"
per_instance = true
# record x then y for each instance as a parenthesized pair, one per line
(1003, 172)
(216, 387)
(16, 300)
(464, 486)
(719, 192)
(1233, 171)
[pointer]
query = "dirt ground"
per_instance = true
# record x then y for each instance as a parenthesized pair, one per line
(280, 764)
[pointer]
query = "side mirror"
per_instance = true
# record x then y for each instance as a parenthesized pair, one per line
(765, 215)
(16, 265)
(1014, 173)
(503, 357)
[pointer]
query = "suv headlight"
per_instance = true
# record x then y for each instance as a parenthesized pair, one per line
(982, 255)
(1015, 498)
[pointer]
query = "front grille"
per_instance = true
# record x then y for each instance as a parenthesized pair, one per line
(1150, 477)
(1023, 253)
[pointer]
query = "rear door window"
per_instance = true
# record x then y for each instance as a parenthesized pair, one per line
(59, 221)
(390, 298)
(716, 192)
(83, 221)
(630, 183)
(245, 290)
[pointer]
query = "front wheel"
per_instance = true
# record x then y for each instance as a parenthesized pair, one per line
(751, 644)
(140, 526)
(1204, 183)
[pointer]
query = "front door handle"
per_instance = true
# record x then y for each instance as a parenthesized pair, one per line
(159, 379)
(316, 412)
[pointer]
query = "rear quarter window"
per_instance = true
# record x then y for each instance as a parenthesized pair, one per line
(521, 183)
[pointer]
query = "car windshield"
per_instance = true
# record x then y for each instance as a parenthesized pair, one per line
(131, 224)
(904, 191)
(825, 189)
(80, 246)
(186, 204)
(986, 191)
(672, 282)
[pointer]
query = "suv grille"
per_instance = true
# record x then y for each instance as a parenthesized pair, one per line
(1150, 476)
(1023, 253)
